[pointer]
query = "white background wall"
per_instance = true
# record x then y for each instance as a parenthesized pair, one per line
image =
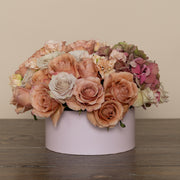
(154, 25)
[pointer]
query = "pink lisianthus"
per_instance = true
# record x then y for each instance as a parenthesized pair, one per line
(146, 72)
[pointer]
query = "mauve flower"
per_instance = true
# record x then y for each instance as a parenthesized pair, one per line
(87, 68)
(146, 72)
(43, 105)
(63, 63)
(21, 99)
(108, 115)
(122, 87)
(87, 95)
(121, 66)
(104, 51)
(61, 86)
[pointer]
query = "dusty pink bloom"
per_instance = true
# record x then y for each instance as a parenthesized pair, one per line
(21, 99)
(146, 72)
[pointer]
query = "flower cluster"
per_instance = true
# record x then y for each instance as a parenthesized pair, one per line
(87, 76)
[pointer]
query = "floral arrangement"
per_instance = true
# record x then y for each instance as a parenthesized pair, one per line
(87, 76)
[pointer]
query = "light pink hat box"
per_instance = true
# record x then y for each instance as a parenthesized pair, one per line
(74, 134)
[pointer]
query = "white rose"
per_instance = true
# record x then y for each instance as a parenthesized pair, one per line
(43, 61)
(79, 54)
(61, 86)
(145, 96)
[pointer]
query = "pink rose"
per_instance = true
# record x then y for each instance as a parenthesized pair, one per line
(87, 68)
(109, 114)
(43, 105)
(21, 98)
(122, 87)
(87, 94)
(63, 63)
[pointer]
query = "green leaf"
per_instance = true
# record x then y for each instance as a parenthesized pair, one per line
(122, 125)
(35, 118)
(97, 60)
(80, 111)
(140, 53)
(107, 128)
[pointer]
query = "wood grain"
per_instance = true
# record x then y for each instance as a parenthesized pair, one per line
(24, 157)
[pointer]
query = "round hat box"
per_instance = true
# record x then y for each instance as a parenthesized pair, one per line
(74, 134)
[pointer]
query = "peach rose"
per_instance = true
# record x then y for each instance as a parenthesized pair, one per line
(43, 105)
(109, 114)
(122, 87)
(87, 68)
(63, 63)
(21, 98)
(87, 94)
(40, 77)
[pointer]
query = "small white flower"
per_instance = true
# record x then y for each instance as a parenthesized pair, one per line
(79, 54)
(145, 96)
(27, 77)
(61, 86)
(43, 61)
(51, 44)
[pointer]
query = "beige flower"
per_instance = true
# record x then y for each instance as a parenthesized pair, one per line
(61, 86)
(87, 94)
(122, 87)
(63, 63)
(109, 114)
(15, 80)
(87, 68)
(105, 66)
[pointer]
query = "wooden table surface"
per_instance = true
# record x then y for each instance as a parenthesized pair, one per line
(24, 157)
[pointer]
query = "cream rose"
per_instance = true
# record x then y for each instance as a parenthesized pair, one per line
(43, 105)
(122, 87)
(61, 86)
(109, 114)
(63, 63)
(87, 94)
